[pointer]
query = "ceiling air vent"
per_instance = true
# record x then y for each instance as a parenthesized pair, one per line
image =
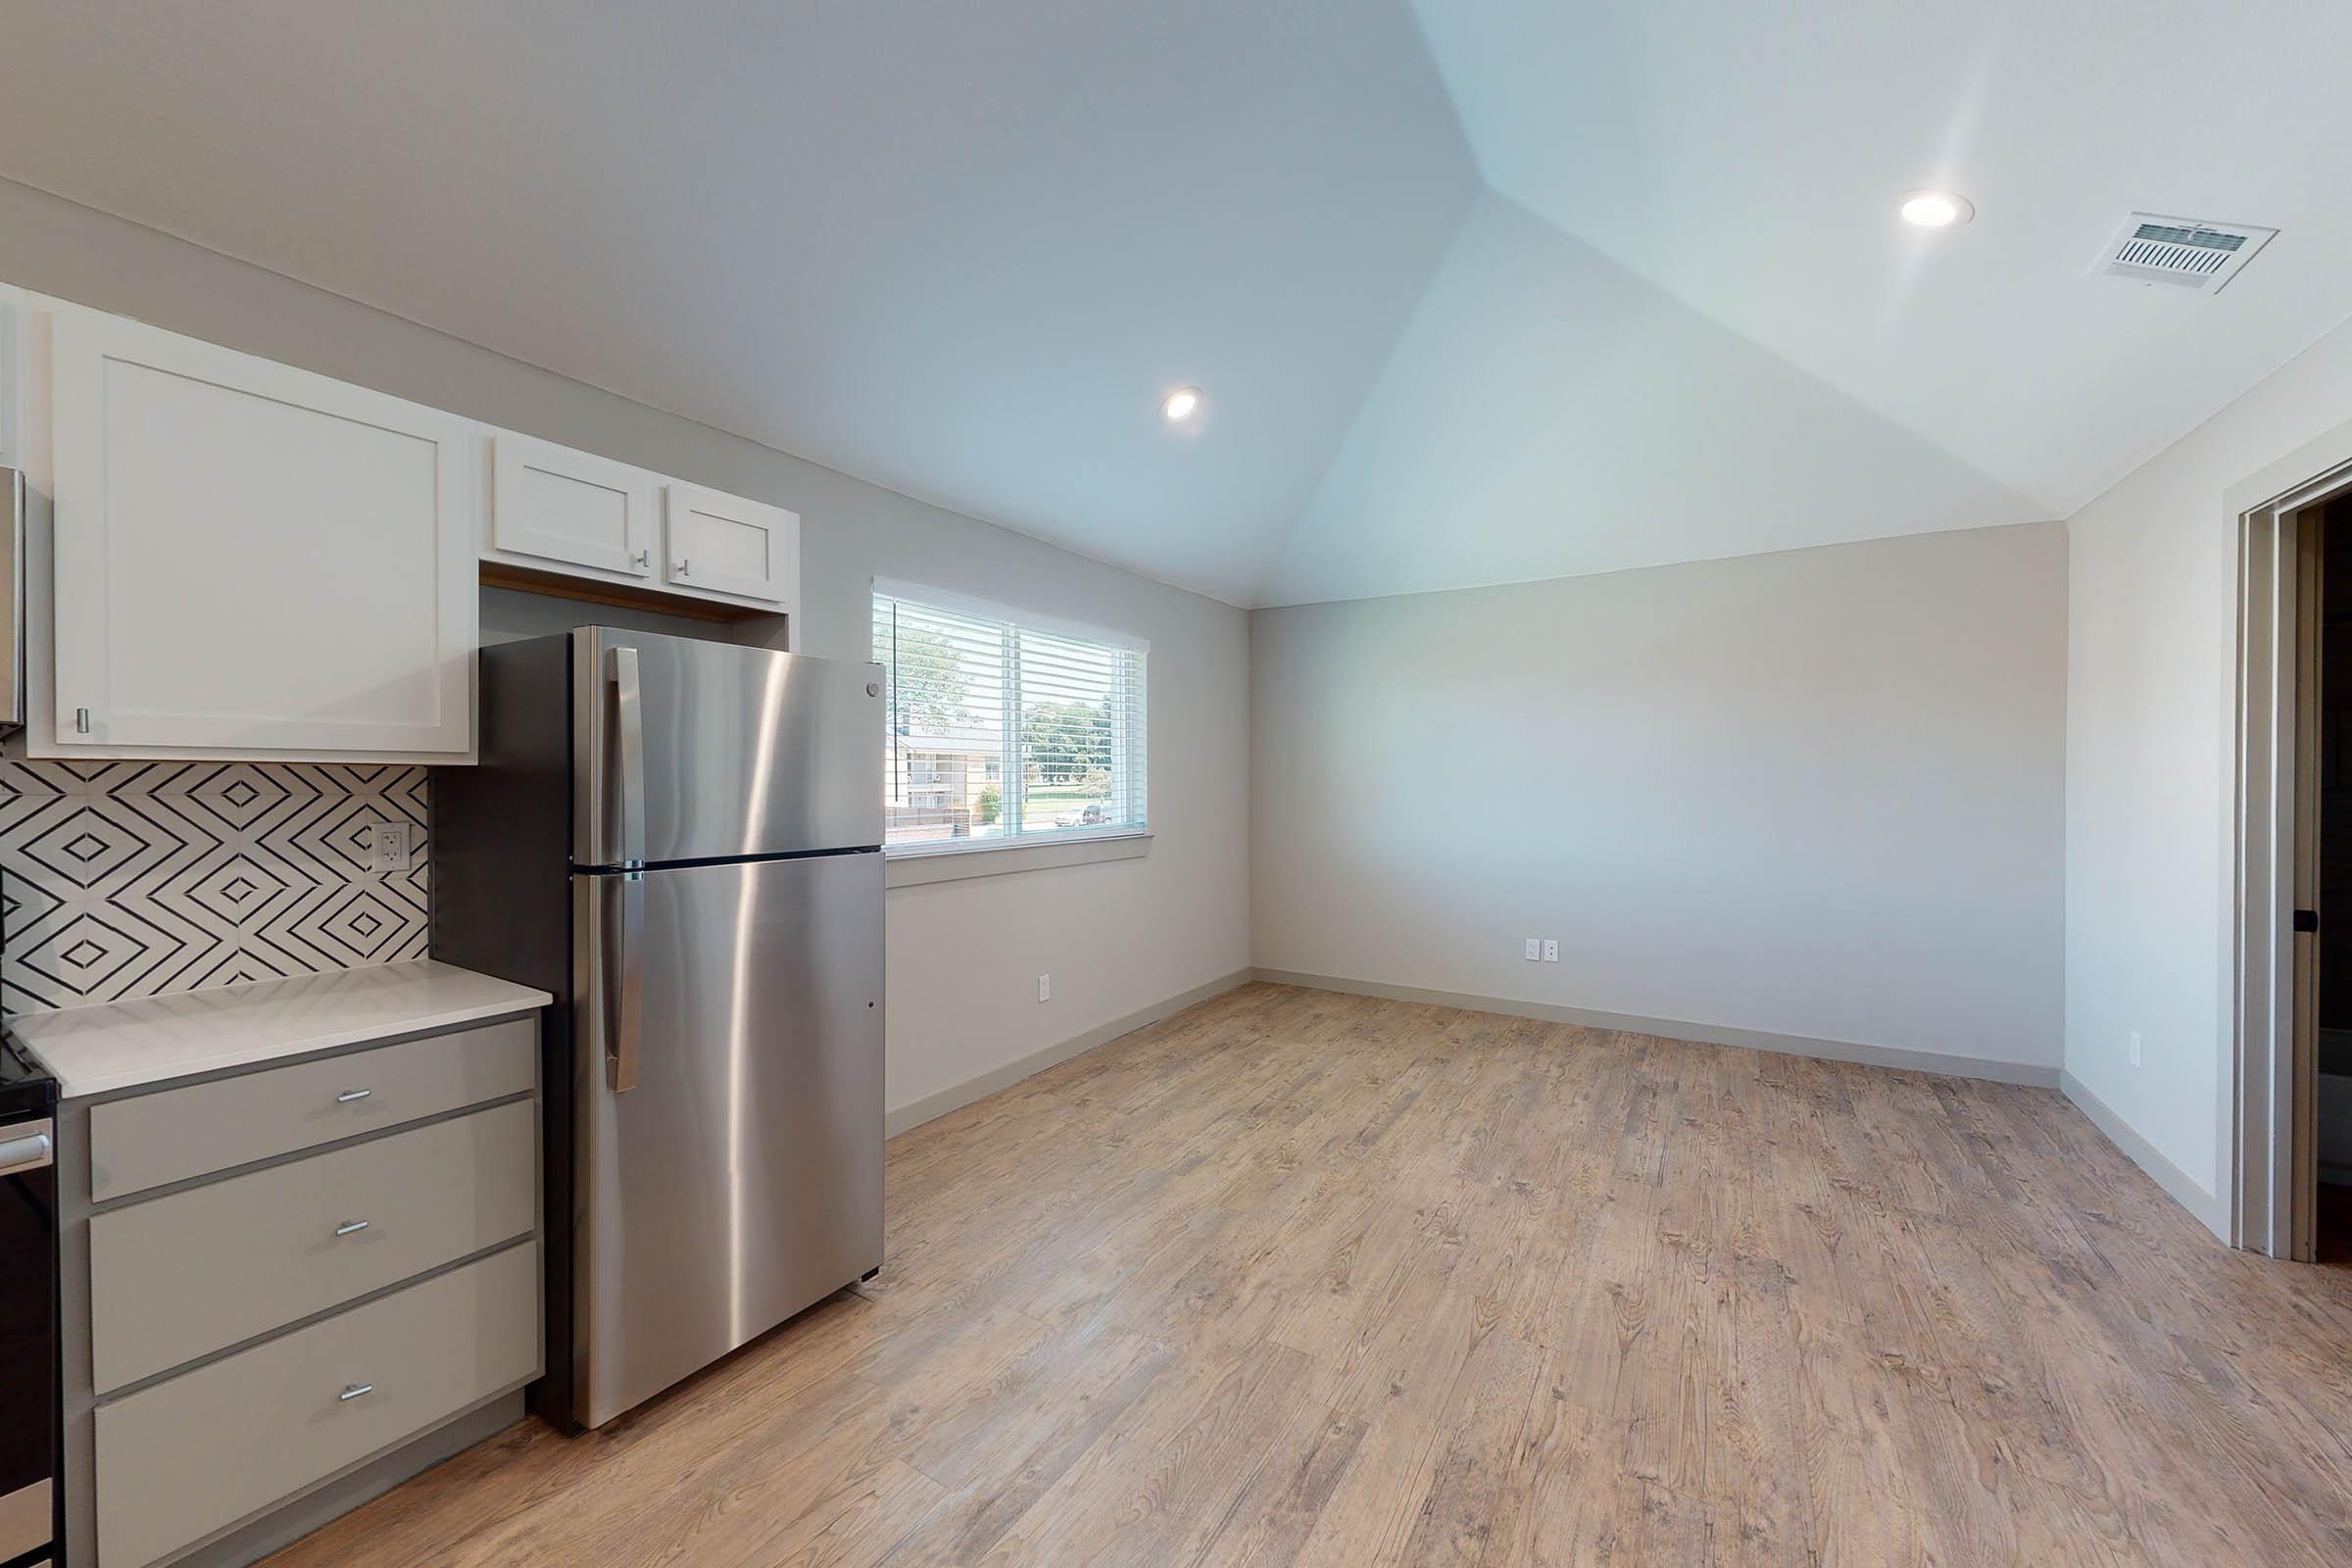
(2181, 250)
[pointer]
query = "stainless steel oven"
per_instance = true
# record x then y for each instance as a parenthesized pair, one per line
(12, 600)
(29, 1341)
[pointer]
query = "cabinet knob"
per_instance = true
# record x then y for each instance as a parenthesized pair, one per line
(353, 1391)
(645, 558)
(351, 1227)
(350, 1095)
(684, 566)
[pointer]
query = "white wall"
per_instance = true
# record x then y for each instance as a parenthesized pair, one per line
(1118, 938)
(1815, 794)
(2149, 754)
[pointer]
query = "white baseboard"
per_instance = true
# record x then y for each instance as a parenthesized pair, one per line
(1936, 1061)
(2184, 1188)
(931, 1107)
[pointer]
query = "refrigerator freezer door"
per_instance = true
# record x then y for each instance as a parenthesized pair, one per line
(740, 1178)
(695, 750)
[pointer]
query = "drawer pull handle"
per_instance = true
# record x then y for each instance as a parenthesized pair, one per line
(350, 1095)
(353, 1392)
(29, 1148)
(351, 1227)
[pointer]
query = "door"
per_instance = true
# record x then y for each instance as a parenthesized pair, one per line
(695, 751)
(252, 559)
(738, 1177)
(724, 544)
(559, 504)
(2310, 710)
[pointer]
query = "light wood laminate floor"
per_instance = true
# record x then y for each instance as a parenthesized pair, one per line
(1306, 1278)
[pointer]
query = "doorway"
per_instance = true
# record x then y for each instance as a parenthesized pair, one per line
(2291, 977)
(2328, 1089)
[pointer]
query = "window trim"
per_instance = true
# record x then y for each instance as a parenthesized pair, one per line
(953, 859)
(919, 864)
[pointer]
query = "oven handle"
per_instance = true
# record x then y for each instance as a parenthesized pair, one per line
(29, 1145)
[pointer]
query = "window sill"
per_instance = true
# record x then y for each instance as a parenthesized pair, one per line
(913, 867)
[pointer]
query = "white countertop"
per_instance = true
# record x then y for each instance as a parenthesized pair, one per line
(123, 1045)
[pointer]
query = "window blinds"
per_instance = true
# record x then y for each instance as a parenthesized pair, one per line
(998, 728)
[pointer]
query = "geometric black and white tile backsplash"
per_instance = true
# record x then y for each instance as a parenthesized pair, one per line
(129, 879)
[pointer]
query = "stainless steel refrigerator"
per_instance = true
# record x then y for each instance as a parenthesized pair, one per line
(682, 840)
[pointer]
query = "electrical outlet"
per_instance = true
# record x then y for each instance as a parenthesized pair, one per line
(1045, 988)
(1551, 950)
(1534, 950)
(388, 847)
(2134, 1048)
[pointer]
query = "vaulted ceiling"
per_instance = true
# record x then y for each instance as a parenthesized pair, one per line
(1478, 290)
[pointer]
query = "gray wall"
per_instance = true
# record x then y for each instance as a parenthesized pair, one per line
(1817, 793)
(964, 957)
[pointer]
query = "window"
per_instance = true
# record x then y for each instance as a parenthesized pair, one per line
(1002, 728)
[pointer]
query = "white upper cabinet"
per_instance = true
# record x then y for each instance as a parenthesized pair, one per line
(722, 544)
(250, 560)
(552, 509)
(552, 504)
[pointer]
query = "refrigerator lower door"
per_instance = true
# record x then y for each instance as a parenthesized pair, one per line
(738, 1177)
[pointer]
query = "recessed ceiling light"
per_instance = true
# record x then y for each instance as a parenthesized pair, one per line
(1935, 209)
(1181, 403)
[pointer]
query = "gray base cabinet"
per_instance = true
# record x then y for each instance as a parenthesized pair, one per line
(281, 1279)
(305, 1405)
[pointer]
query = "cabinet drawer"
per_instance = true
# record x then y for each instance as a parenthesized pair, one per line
(182, 1276)
(151, 1138)
(197, 1454)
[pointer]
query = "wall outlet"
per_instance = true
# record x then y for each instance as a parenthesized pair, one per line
(2134, 1048)
(1045, 988)
(1551, 950)
(1534, 950)
(388, 847)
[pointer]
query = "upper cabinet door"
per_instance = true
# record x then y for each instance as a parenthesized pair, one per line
(560, 504)
(722, 544)
(249, 557)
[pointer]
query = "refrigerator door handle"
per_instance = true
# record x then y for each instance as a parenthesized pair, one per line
(622, 980)
(629, 728)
